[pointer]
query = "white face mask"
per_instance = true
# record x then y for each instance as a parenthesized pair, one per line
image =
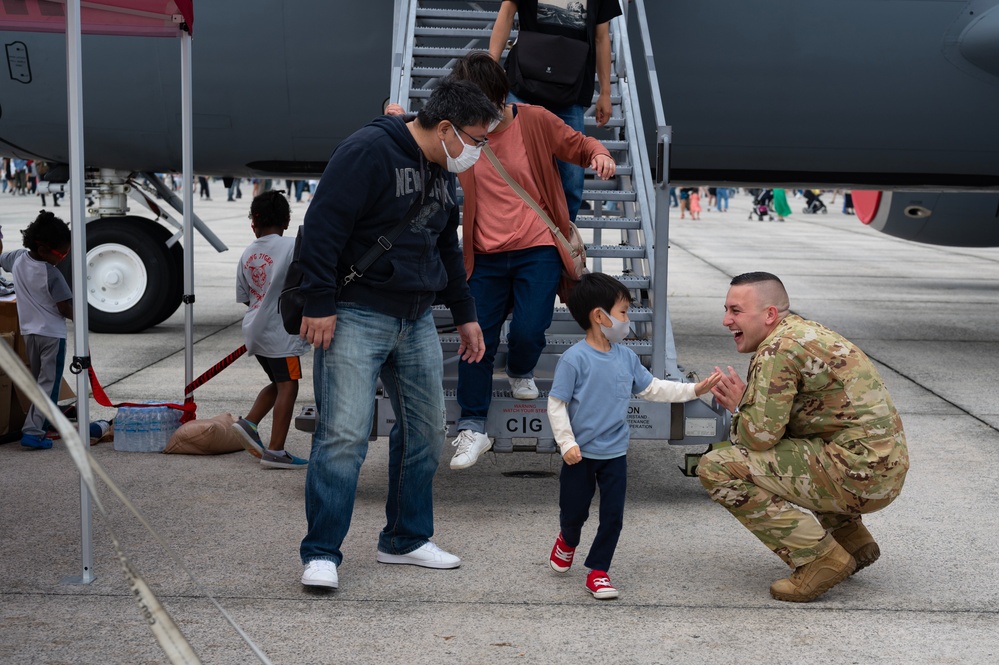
(618, 330)
(493, 125)
(466, 160)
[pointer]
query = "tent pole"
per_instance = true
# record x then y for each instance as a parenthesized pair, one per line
(187, 113)
(77, 199)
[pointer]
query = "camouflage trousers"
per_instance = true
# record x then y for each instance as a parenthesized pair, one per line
(771, 492)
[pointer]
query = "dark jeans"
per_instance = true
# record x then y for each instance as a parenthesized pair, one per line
(577, 484)
(526, 280)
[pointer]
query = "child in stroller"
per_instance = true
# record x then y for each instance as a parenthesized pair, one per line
(814, 200)
(761, 205)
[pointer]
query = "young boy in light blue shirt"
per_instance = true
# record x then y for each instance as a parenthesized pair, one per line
(588, 409)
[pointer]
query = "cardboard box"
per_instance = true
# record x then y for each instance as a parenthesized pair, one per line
(8, 420)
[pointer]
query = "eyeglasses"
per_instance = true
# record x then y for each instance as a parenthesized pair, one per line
(55, 252)
(478, 143)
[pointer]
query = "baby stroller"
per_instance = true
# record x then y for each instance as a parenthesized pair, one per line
(815, 204)
(761, 205)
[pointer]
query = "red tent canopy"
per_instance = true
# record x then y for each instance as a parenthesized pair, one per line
(140, 18)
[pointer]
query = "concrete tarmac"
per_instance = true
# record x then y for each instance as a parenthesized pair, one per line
(693, 582)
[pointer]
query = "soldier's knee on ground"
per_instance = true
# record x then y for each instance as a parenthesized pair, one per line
(710, 471)
(721, 466)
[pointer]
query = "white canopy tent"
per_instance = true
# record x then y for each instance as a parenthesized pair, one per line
(143, 18)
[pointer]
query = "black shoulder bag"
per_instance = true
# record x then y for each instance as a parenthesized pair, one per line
(547, 69)
(292, 302)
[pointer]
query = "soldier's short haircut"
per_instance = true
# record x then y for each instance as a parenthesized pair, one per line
(755, 278)
(270, 209)
(595, 289)
(771, 289)
(460, 102)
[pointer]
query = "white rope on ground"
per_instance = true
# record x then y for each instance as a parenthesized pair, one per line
(170, 638)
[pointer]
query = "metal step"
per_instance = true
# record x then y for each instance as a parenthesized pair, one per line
(553, 344)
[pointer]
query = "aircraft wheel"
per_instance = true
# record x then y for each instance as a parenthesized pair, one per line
(175, 282)
(134, 281)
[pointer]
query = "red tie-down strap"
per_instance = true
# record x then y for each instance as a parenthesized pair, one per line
(188, 408)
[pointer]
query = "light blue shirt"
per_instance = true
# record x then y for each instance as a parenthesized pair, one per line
(597, 387)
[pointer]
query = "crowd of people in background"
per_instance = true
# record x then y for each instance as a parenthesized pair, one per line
(769, 203)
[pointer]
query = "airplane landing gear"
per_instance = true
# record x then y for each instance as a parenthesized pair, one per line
(134, 281)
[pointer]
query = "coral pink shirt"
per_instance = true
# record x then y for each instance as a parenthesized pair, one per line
(503, 221)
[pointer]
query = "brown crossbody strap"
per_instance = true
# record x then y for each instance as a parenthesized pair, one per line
(527, 197)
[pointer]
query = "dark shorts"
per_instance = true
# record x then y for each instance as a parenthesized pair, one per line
(280, 370)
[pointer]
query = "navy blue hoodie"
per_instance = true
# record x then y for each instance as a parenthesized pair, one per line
(369, 184)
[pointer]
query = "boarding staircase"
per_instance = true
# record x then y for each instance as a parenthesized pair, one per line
(624, 222)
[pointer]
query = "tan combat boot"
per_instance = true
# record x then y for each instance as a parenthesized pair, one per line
(810, 581)
(858, 541)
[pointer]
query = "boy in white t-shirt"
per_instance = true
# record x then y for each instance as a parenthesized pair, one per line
(44, 302)
(588, 409)
(259, 280)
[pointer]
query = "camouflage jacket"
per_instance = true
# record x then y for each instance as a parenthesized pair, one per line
(806, 381)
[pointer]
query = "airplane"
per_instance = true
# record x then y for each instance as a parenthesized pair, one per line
(858, 94)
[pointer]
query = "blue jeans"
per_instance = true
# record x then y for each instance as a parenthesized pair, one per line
(407, 355)
(577, 485)
(526, 280)
(572, 175)
(722, 199)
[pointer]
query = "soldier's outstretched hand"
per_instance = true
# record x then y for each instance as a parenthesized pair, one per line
(708, 383)
(729, 390)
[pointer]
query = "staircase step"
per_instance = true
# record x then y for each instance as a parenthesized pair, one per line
(615, 251)
(608, 195)
(553, 344)
(458, 14)
(591, 222)
(458, 30)
(442, 315)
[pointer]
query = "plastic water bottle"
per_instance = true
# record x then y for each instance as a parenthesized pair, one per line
(155, 428)
(99, 428)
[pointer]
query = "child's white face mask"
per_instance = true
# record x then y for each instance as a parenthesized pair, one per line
(618, 330)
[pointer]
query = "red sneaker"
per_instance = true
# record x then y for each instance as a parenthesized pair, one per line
(599, 585)
(561, 556)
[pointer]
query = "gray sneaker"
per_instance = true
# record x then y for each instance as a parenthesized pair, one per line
(249, 437)
(282, 459)
(524, 388)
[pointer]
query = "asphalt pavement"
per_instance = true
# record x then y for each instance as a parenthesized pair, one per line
(693, 582)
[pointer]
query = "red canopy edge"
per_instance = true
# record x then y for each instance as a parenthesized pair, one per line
(137, 18)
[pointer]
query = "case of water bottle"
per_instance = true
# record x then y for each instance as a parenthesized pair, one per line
(144, 429)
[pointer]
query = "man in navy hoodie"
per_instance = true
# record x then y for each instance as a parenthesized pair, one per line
(379, 324)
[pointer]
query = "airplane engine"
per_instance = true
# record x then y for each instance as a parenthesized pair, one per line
(956, 219)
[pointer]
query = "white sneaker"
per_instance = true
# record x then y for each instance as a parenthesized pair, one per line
(470, 445)
(321, 572)
(427, 555)
(524, 388)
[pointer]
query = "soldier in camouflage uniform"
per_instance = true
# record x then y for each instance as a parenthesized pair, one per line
(814, 429)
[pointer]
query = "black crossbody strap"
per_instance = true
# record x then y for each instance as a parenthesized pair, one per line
(384, 243)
